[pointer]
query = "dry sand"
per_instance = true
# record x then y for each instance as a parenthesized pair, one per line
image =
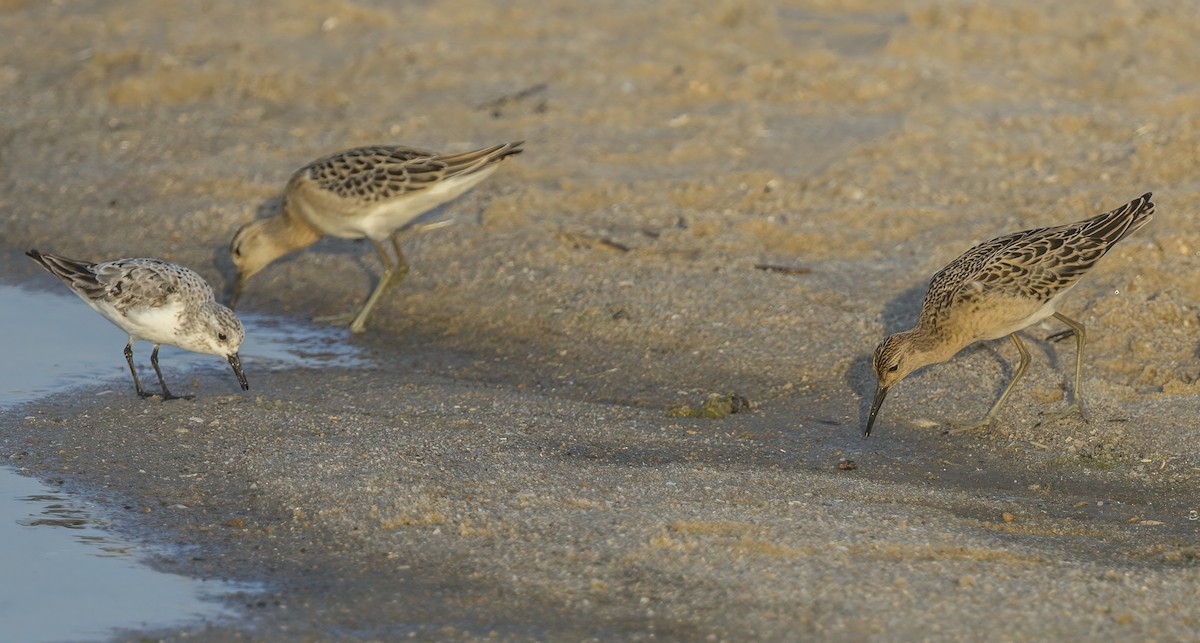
(510, 464)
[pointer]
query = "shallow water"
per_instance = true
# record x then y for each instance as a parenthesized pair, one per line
(65, 576)
(57, 343)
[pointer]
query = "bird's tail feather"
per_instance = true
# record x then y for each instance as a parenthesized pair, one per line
(475, 160)
(80, 275)
(1114, 226)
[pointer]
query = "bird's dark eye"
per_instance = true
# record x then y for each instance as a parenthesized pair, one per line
(237, 251)
(222, 337)
(893, 368)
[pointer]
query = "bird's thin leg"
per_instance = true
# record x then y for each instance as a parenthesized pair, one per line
(392, 273)
(1080, 338)
(401, 263)
(1016, 376)
(161, 382)
(356, 319)
(129, 359)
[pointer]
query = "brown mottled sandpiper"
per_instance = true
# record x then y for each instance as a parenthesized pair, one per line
(371, 192)
(1000, 287)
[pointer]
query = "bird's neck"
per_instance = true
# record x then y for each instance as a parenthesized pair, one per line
(293, 232)
(934, 345)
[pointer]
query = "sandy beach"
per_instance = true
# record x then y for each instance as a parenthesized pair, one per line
(732, 200)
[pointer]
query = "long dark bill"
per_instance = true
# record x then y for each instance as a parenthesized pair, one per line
(236, 293)
(237, 370)
(880, 393)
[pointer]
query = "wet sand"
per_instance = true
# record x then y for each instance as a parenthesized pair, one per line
(513, 460)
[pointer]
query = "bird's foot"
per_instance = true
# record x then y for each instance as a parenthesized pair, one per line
(166, 395)
(1075, 410)
(352, 319)
(338, 319)
(958, 429)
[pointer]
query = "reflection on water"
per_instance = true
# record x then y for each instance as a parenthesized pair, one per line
(64, 577)
(57, 514)
(274, 342)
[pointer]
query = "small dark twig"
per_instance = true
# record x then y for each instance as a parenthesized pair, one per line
(1060, 335)
(584, 241)
(496, 103)
(785, 270)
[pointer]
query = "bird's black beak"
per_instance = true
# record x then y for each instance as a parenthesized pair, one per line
(237, 370)
(880, 393)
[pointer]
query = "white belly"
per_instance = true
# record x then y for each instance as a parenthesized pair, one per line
(158, 325)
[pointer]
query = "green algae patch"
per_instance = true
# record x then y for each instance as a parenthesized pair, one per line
(717, 406)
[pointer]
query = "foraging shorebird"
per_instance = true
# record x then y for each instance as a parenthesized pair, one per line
(1000, 287)
(371, 192)
(159, 302)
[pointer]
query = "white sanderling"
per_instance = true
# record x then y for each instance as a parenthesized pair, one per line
(156, 301)
(371, 192)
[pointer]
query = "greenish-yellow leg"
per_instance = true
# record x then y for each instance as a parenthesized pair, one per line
(393, 272)
(1080, 337)
(1016, 376)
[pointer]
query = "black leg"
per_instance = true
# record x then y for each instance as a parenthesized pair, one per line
(132, 370)
(166, 394)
